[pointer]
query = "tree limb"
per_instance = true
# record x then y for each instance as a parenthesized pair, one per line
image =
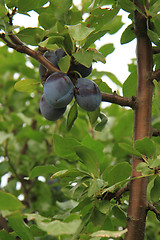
(156, 75)
(122, 101)
(155, 50)
(152, 208)
(155, 132)
(17, 45)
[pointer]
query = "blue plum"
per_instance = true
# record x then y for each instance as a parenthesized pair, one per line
(87, 94)
(59, 54)
(51, 56)
(84, 71)
(58, 90)
(49, 112)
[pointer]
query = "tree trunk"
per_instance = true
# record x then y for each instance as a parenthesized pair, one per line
(142, 127)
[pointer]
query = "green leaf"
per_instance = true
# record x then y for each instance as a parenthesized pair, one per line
(130, 85)
(154, 37)
(47, 20)
(119, 214)
(155, 7)
(100, 17)
(143, 168)
(145, 147)
(79, 32)
(150, 186)
(17, 223)
(72, 115)
(3, 11)
(129, 149)
(155, 163)
(26, 85)
(9, 202)
(63, 147)
(31, 36)
(71, 173)
(93, 37)
(155, 191)
(41, 171)
(4, 136)
(104, 206)
(95, 186)
(4, 168)
(109, 234)
(64, 63)
(5, 235)
(101, 125)
(95, 145)
(70, 204)
(110, 75)
(56, 228)
(25, 6)
(114, 25)
(106, 49)
(89, 158)
(119, 172)
(49, 42)
(127, 5)
(93, 116)
(103, 86)
(84, 57)
(97, 56)
(128, 35)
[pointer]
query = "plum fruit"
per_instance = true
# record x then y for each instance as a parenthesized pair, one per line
(84, 71)
(87, 94)
(49, 112)
(58, 90)
(59, 54)
(51, 56)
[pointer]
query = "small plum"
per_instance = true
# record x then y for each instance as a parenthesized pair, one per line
(87, 94)
(51, 56)
(49, 112)
(60, 53)
(58, 90)
(83, 70)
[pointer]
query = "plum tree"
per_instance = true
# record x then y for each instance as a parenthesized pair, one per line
(87, 94)
(58, 90)
(49, 112)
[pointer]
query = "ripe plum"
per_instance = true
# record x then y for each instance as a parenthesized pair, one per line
(87, 94)
(49, 112)
(58, 90)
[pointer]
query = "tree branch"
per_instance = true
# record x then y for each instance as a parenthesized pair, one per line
(17, 45)
(152, 208)
(156, 75)
(155, 50)
(122, 101)
(155, 132)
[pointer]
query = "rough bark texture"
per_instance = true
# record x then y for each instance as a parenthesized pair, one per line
(142, 128)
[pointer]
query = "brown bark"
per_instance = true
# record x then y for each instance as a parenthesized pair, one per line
(142, 128)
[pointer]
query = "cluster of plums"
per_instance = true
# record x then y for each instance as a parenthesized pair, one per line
(58, 89)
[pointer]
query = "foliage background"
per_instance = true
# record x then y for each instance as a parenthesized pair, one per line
(88, 166)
